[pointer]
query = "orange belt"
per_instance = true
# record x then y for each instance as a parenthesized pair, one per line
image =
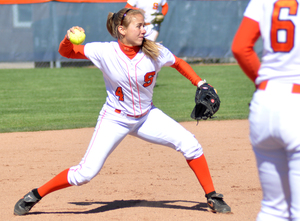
(295, 89)
(147, 23)
(135, 116)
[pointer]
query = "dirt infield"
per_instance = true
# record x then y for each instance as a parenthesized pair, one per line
(139, 181)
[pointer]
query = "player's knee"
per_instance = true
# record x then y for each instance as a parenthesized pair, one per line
(81, 176)
(190, 148)
(83, 179)
(193, 152)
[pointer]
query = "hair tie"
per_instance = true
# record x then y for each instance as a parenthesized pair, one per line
(124, 15)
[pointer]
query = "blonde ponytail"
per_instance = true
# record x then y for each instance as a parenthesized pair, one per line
(151, 49)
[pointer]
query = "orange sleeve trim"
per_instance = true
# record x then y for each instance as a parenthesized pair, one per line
(186, 70)
(242, 47)
(164, 9)
(69, 50)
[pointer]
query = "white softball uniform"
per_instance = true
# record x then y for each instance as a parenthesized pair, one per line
(280, 59)
(129, 110)
(150, 7)
(275, 109)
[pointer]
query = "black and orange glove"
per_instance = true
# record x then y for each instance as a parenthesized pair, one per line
(207, 102)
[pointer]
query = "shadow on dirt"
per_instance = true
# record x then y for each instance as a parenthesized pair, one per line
(120, 204)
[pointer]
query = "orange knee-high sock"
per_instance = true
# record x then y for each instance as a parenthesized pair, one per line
(58, 182)
(200, 168)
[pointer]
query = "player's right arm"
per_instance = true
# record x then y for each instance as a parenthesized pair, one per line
(69, 50)
(242, 47)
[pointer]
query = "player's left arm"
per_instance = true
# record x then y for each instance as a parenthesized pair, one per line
(242, 47)
(186, 70)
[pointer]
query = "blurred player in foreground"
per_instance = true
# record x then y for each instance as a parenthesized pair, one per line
(275, 107)
(129, 66)
(153, 17)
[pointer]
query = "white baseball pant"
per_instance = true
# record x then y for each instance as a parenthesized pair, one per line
(274, 120)
(155, 127)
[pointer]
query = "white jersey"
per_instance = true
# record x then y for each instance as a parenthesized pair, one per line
(280, 31)
(129, 82)
(149, 6)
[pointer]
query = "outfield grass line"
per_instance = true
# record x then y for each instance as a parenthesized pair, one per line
(65, 98)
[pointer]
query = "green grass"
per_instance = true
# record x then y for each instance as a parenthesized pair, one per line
(52, 99)
(175, 94)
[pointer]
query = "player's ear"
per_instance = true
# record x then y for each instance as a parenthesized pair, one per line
(121, 29)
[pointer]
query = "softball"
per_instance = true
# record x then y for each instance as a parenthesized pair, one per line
(77, 38)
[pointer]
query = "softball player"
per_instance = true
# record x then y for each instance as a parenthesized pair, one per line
(275, 107)
(149, 7)
(129, 66)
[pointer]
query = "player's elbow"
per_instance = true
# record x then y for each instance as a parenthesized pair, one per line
(66, 54)
(63, 53)
(237, 49)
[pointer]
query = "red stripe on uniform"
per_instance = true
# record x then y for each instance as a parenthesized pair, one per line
(138, 85)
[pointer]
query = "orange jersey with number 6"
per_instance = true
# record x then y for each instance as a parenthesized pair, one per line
(278, 23)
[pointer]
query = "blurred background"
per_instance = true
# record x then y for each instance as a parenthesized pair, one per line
(197, 31)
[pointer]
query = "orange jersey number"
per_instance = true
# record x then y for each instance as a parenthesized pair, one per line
(119, 93)
(155, 6)
(283, 25)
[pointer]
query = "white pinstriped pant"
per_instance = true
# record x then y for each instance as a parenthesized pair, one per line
(111, 129)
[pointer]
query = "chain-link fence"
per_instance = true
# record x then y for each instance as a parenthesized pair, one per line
(195, 30)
